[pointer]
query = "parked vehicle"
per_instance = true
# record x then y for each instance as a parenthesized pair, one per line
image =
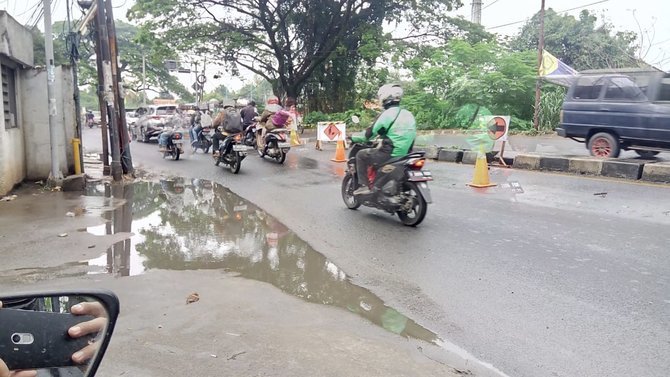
(276, 144)
(175, 146)
(613, 112)
(399, 186)
(231, 152)
(152, 119)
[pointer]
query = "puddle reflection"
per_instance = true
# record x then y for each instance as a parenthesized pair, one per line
(197, 224)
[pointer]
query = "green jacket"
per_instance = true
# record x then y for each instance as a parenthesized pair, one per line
(395, 124)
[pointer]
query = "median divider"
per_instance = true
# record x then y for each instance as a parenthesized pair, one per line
(658, 172)
(645, 170)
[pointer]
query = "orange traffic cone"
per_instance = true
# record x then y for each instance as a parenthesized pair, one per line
(481, 178)
(339, 152)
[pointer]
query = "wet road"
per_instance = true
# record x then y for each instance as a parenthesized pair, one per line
(554, 281)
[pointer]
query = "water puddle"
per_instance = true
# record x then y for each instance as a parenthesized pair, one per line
(187, 225)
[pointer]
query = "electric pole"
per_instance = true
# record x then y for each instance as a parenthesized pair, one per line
(538, 83)
(74, 56)
(144, 79)
(476, 16)
(55, 177)
(107, 85)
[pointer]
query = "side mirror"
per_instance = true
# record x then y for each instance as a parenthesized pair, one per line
(56, 329)
(355, 119)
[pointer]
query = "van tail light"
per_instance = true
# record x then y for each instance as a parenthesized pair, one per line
(156, 117)
(416, 163)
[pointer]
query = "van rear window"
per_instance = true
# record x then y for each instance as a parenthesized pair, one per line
(588, 88)
(623, 89)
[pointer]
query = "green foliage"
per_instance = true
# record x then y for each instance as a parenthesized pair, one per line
(459, 75)
(581, 43)
(551, 103)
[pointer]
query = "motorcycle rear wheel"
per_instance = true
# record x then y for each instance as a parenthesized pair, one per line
(236, 163)
(280, 156)
(348, 187)
(419, 208)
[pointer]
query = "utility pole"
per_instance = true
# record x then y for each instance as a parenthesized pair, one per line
(74, 56)
(101, 101)
(109, 97)
(55, 177)
(476, 16)
(538, 83)
(117, 89)
(144, 79)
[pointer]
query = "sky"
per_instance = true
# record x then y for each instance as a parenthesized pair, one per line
(639, 17)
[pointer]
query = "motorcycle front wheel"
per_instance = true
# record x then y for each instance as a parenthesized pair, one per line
(348, 187)
(236, 163)
(413, 216)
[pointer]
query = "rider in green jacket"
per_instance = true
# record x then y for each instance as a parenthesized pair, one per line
(396, 127)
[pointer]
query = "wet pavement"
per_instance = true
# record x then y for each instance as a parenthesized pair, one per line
(194, 224)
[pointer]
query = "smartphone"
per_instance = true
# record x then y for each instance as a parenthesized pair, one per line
(33, 339)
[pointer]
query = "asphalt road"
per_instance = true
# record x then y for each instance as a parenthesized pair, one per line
(554, 281)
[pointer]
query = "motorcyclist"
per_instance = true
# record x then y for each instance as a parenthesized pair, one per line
(272, 117)
(397, 128)
(248, 114)
(90, 118)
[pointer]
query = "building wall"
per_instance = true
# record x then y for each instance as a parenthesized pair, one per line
(15, 40)
(36, 121)
(12, 152)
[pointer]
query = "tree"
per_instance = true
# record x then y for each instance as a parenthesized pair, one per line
(580, 42)
(283, 41)
(479, 75)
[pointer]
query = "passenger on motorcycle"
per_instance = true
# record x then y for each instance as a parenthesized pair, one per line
(396, 127)
(272, 117)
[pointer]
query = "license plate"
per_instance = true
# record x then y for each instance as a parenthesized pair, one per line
(240, 208)
(284, 145)
(177, 141)
(240, 148)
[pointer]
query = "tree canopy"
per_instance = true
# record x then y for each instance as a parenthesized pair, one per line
(580, 42)
(283, 41)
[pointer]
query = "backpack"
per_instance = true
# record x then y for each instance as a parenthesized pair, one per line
(233, 121)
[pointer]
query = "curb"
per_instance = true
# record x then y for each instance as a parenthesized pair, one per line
(626, 169)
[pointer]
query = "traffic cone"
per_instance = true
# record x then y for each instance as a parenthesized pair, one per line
(339, 152)
(295, 140)
(481, 178)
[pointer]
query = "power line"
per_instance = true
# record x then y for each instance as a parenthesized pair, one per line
(490, 4)
(561, 11)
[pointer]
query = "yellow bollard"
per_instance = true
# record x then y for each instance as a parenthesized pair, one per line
(77, 162)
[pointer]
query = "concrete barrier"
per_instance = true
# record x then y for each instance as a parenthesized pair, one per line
(656, 172)
(470, 157)
(554, 163)
(450, 155)
(432, 151)
(622, 169)
(527, 161)
(585, 166)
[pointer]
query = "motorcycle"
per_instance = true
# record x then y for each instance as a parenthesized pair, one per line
(276, 144)
(399, 186)
(250, 135)
(175, 146)
(202, 139)
(231, 153)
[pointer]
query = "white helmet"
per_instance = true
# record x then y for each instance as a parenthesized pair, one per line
(389, 94)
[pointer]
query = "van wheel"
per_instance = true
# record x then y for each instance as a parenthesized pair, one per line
(604, 145)
(646, 154)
